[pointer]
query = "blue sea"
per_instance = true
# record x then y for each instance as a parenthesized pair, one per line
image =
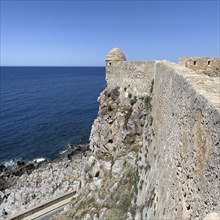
(43, 109)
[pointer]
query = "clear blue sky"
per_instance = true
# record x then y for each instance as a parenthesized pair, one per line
(80, 33)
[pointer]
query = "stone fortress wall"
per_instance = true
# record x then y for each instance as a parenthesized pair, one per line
(179, 156)
(155, 145)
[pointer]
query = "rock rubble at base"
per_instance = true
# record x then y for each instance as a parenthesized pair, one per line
(46, 181)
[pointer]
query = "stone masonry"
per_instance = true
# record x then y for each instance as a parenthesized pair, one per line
(155, 144)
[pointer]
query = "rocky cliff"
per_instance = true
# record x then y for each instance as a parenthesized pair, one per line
(155, 143)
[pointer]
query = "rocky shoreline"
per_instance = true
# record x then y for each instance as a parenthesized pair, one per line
(26, 184)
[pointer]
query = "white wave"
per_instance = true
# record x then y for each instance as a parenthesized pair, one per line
(11, 163)
(38, 160)
(63, 151)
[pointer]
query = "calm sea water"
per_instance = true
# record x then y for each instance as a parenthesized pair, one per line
(42, 109)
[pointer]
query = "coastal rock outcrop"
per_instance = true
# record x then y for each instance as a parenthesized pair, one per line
(47, 180)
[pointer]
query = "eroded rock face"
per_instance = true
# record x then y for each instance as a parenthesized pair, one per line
(120, 122)
(122, 107)
(105, 193)
(110, 178)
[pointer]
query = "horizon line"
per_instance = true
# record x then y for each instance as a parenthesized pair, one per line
(47, 66)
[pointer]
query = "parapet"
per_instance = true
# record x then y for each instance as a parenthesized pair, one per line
(202, 65)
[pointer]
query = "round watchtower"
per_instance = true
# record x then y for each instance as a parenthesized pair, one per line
(114, 54)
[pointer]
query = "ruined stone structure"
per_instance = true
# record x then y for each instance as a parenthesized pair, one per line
(156, 145)
(204, 65)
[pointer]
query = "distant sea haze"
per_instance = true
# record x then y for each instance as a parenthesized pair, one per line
(43, 109)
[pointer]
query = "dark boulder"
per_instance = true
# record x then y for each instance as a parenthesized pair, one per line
(3, 184)
(2, 167)
(20, 163)
(24, 169)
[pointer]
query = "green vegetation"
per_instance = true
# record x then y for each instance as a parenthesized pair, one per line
(147, 102)
(133, 101)
(150, 201)
(104, 156)
(127, 116)
(33, 196)
(115, 214)
(147, 165)
(125, 201)
(141, 184)
(122, 197)
(115, 93)
(80, 208)
(118, 201)
(150, 120)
